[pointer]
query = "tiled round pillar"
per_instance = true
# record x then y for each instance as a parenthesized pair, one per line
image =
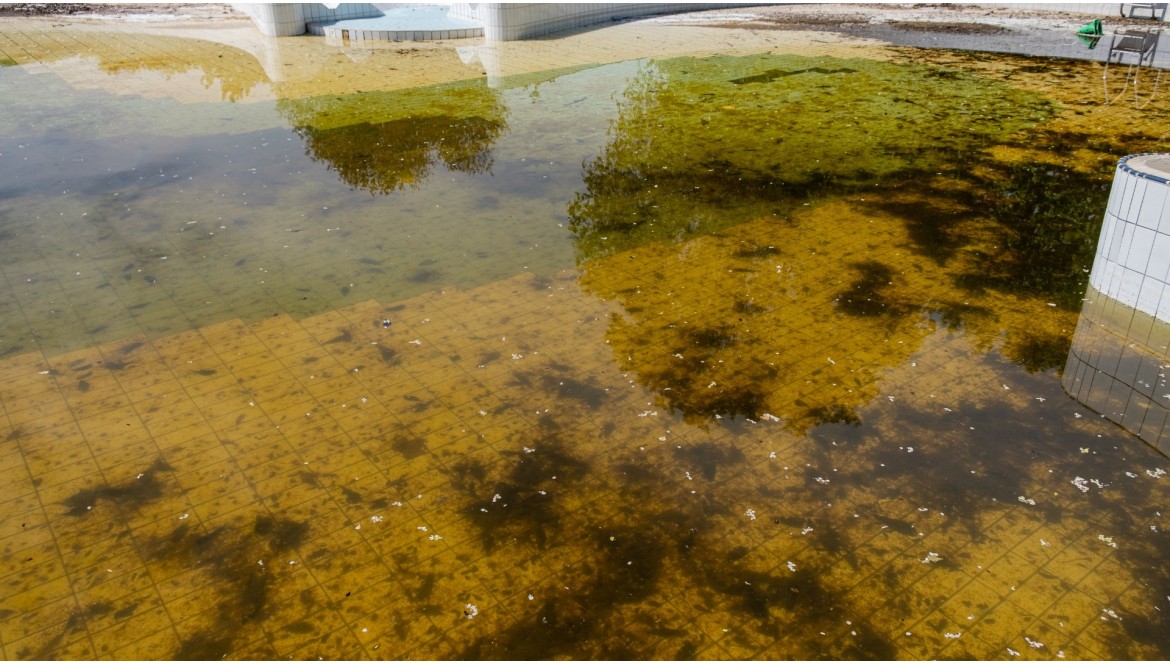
(1119, 362)
(1133, 253)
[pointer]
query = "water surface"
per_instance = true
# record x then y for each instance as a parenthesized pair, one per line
(695, 356)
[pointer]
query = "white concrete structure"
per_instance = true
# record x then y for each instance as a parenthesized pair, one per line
(506, 21)
(500, 21)
(1119, 363)
(1133, 254)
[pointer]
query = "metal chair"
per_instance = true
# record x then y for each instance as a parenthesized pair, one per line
(1157, 9)
(1136, 49)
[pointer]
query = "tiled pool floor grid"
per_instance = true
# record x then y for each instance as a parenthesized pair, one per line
(474, 480)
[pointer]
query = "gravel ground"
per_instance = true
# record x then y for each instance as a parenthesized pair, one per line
(161, 12)
(935, 18)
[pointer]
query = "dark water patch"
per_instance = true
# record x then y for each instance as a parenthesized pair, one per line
(343, 338)
(207, 646)
(865, 296)
(488, 358)
(352, 497)
(131, 347)
(935, 232)
(409, 446)
(748, 308)
(310, 478)
(833, 414)
(83, 386)
(299, 627)
(521, 506)
(709, 457)
(280, 534)
(424, 276)
(205, 372)
(953, 315)
(389, 356)
(711, 337)
(587, 392)
(133, 494)
(900, 526)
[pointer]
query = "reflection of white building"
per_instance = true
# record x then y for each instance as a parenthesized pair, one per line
(1120, 356)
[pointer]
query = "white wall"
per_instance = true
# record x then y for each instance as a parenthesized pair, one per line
(1132, 264)
(513, 21)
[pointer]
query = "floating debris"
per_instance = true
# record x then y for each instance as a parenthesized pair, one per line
(1111, 614)
(1027, 501)
(1107, 540)
(791, 566)
(952, 635)
(472, 610)
(750, 514)
(769, 417)
(932, 557)
(1014, 653)
(806, 530)
(821, 480)
(1156, 473)
(1035, 644)
(1081, 483)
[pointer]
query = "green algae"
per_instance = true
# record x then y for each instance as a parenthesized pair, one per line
(701, 143)
(728, 254)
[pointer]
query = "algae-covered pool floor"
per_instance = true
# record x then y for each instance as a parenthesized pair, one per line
(665, 358)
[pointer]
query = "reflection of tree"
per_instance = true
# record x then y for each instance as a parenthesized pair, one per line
(703, 143)
(740, 300)
(236, 82)
(381, 142)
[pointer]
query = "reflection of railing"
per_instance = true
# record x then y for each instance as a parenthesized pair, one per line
(1136, 49)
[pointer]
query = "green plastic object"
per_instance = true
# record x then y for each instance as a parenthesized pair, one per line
(1091, 28)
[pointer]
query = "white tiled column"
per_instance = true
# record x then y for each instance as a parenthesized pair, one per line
(276, 19)
(1133, 254)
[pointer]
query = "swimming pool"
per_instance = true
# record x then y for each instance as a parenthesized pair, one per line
(670, 350)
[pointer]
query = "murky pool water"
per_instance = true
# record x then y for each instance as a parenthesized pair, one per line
(719, 355)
